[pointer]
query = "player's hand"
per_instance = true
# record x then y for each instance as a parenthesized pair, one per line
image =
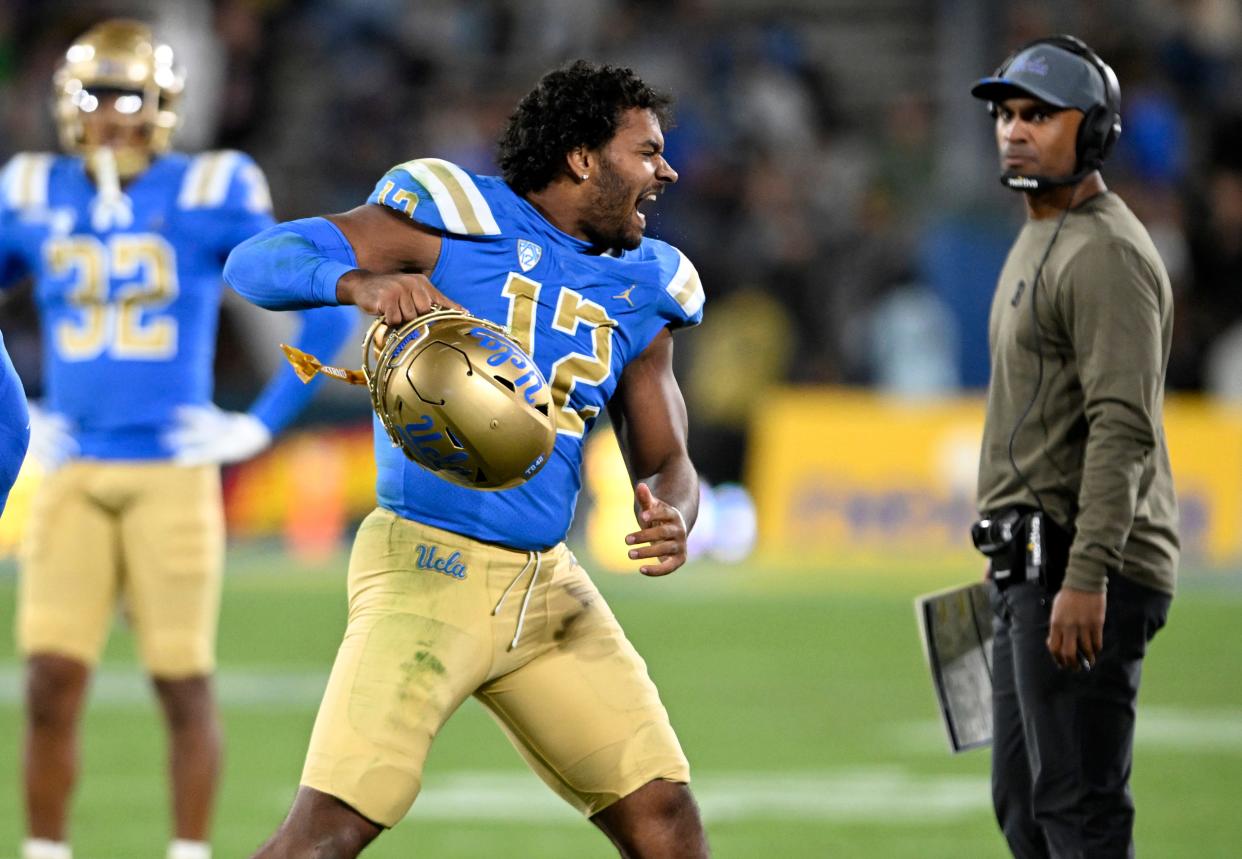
(1076, 630)
(206, 435)
(663, 531)
(51, 441)
(396, 297)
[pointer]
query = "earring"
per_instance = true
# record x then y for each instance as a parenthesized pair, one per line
(585, 176)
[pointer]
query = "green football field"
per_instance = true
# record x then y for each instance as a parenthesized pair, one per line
(802, 702)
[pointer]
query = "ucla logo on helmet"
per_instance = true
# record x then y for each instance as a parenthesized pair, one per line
(528, 254)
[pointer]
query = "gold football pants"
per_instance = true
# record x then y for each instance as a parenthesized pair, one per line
(435, 617)
(146, 535)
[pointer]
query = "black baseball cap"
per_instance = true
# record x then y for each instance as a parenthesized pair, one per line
(1049, 73)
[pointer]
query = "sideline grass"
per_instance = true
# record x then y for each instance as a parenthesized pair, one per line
(801, 701)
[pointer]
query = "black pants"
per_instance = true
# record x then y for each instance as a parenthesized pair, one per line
(1062, 740)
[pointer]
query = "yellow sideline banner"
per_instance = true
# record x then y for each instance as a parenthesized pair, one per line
(857, 479)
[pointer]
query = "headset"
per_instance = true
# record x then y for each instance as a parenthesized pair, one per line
(1097, 135)
(1100, 128)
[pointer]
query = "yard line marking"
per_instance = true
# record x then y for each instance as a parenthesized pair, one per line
(125, 688)
(1214, 731)
(887, 794)
(1204, 731)
(1190, 730)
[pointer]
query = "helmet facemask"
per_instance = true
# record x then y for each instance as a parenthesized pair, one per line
(118, 66)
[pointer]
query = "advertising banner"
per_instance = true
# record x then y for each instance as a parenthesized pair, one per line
(856, 479)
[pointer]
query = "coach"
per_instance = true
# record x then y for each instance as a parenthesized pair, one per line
(1078, 515)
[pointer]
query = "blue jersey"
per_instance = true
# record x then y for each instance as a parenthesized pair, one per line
(14, 425)
(581, 316)
(128, 294)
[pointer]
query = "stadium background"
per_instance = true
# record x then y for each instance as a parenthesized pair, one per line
(838, 197)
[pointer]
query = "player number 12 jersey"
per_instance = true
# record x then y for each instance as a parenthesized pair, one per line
(581, 316)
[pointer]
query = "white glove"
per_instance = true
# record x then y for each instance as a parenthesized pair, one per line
(51, 441)
(207, 434)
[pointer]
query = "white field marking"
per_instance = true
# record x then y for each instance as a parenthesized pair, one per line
(120, 687)
(125, 688)
(1190, 730)
(887, 794)
(1216, 731)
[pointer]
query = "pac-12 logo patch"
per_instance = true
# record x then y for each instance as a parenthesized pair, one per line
(528, 254)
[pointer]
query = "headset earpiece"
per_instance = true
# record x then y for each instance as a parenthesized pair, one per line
(1112, 96)
(1093, 138)
(1101, 126)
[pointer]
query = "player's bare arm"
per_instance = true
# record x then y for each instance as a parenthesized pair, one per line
(649, 416)
(394, 256)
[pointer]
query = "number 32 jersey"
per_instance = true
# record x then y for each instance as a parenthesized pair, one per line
(128, 294)
(581, 316)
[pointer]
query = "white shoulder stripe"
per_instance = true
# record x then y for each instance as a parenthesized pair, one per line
(459, 201)
(192, 180)
(221, 176)
(685, 287)
(259, 199)
(25, 180)
(206, 182)
(482, 211)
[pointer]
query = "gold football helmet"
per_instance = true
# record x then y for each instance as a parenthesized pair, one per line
(119, 55)
(457, 395)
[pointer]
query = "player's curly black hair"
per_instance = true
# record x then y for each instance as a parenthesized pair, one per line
(579, 104)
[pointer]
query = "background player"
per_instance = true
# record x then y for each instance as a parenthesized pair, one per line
(556, 251)
(125, 242)
(14, 425)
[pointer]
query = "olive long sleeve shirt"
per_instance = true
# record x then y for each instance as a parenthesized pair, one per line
(1077, 385)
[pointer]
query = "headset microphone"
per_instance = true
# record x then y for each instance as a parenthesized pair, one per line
(1034, 184)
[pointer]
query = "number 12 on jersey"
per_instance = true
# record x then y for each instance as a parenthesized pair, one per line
(572, 309)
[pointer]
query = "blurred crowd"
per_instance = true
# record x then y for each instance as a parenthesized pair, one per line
(837, 190)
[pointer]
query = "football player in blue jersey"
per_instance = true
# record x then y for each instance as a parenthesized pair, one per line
(14, 425)
(555, 251)
(125, 241)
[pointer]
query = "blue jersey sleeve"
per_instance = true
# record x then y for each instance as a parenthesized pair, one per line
(682, 298)
(292, 265)
(437, 194)
(12, 264)
(16, 181)
(288, 267)
(228, 194)
(324, 331)
(14, 425)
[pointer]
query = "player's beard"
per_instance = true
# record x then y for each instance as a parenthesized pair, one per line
(613, 224)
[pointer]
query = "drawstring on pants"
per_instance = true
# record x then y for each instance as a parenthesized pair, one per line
(533, 559)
